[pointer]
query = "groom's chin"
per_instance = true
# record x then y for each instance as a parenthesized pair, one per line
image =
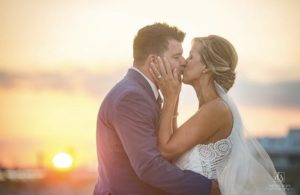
(184, 82)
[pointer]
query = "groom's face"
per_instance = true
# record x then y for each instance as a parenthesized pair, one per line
(174, 55)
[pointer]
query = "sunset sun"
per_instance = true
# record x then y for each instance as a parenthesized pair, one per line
(62, 160)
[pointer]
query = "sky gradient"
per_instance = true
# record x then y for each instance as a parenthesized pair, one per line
(59, 58)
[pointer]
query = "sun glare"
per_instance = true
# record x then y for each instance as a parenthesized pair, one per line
(62, 160)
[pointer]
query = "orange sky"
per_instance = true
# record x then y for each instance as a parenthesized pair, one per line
(46, 122)
(58, 59)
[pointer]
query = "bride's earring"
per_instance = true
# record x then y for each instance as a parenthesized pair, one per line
(205, 70)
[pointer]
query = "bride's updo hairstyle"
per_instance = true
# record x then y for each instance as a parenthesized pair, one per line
(220, 57)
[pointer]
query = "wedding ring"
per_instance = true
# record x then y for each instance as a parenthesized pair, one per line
(159, 76)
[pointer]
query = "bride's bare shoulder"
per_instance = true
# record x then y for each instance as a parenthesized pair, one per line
(215, 106)
(218, 112)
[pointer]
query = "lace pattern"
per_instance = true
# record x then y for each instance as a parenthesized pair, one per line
(206, 159)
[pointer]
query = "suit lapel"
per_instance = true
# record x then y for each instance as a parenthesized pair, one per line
(137, 77)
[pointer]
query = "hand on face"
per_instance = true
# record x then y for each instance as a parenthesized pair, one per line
(168, 80)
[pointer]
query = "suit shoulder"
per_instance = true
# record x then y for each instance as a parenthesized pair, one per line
(123, 89)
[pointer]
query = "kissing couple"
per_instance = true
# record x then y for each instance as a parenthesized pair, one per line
(140, 148)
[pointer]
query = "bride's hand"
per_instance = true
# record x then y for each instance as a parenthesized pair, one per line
(168, 80)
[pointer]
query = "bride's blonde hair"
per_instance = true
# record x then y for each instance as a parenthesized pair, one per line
(220, 57)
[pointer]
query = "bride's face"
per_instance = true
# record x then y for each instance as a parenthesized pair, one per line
(194, 66)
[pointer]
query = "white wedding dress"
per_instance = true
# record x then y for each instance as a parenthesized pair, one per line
(241, 166)
(206, 159)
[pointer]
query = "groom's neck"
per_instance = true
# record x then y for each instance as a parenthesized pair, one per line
(146, 72)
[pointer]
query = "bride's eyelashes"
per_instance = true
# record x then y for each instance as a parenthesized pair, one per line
(189, 58)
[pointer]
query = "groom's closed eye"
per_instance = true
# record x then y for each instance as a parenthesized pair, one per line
(177, 56)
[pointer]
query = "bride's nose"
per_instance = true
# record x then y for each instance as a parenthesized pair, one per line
(188, 59)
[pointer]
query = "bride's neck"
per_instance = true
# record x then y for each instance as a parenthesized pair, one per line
(205, 90)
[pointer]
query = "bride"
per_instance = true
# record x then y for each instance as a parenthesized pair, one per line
(212, 141)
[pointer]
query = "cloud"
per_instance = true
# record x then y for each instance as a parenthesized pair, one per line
(98, 83)
(38, 81)
(94, 83)
(278, 94)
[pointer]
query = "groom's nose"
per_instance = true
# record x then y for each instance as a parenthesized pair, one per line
(182, 62)
(182, 66)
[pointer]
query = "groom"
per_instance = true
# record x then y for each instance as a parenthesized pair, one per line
(128, 156)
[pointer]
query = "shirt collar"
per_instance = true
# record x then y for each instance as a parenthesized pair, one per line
(152, 85)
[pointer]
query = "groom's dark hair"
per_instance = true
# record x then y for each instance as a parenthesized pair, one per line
(153, 39)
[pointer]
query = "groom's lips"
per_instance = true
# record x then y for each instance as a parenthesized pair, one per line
(180, 70)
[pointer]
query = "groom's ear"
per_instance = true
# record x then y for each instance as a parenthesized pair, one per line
(152, 59)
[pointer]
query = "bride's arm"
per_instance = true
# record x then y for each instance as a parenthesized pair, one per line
(173, 141)
(200, 127)
(175, 115)
(167, 124)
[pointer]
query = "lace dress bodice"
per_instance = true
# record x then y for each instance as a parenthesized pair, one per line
(249, 169)
(206, 159)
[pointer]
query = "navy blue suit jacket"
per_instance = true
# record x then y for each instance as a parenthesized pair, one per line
(128, 156)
